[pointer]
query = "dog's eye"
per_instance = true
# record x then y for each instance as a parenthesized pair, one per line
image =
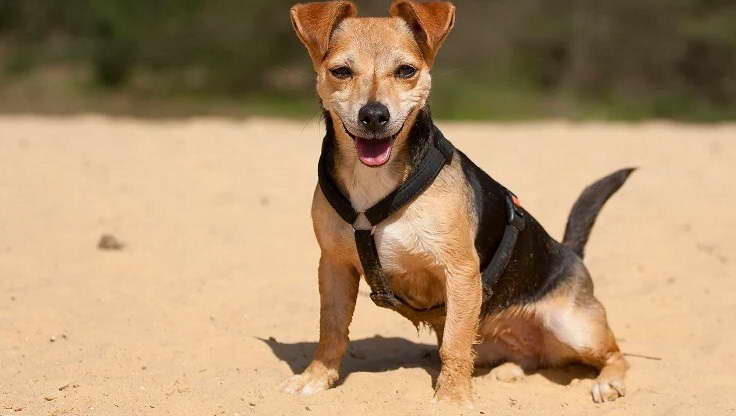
(341, 72)
(405, 71)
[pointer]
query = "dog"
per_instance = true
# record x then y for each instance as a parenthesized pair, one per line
(429, 254)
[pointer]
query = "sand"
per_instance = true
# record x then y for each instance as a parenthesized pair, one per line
(212, 301)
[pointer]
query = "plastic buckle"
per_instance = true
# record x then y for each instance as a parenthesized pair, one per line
(365, 225)
(515, 215)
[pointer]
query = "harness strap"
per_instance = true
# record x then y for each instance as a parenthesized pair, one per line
(419, 180)
(339, 202)
(515, 223)
(435, 158)
(381, 293)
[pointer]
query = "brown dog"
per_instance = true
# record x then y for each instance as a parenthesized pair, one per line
(373, 80)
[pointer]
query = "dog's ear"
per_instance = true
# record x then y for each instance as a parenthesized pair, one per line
(430, 22)
(315, 22)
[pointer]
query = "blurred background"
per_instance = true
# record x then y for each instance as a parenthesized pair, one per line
(505, 60)
(165, 263)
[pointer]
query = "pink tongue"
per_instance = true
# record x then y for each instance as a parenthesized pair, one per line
(373, 152)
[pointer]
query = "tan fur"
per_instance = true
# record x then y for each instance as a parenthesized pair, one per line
(338, 288)
(568, 325)
(363, 44)
(434, 22)
(314, 22)
(426, 248)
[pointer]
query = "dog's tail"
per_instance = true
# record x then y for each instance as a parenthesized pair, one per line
(588, 206)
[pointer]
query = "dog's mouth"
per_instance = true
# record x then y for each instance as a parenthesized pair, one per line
(373, 152)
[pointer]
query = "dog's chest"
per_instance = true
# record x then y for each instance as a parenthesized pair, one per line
(409, 249)
(406, 241)
(409, 243)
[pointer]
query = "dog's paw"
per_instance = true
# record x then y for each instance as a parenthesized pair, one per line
(508, 373)
(458, 394)
(307, 383)
(608, 389)
(444, 398)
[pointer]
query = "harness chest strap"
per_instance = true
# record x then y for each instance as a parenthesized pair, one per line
(436, 157)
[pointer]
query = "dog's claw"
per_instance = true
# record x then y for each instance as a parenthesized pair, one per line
(607, 390)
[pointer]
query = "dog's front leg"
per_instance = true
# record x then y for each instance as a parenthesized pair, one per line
(338, 290)
(464, 297)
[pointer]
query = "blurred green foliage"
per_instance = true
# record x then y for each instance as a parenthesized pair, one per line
(506, 59)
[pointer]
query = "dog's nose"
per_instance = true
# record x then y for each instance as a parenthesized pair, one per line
(374, 116)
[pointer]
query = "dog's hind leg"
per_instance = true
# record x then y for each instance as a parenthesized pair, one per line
(338, 290)
(610, 385)
(576, 330)
(509, 343)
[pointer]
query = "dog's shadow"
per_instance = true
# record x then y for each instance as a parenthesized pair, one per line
(379, 354)
(372, 355)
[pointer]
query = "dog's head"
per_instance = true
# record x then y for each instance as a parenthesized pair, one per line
(373, 73)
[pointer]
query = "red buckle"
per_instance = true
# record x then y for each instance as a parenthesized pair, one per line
(515, 200)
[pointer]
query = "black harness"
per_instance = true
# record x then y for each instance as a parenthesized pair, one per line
(438, 154)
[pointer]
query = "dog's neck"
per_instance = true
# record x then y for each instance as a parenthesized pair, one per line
(364, 186)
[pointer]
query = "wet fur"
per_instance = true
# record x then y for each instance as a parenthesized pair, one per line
(542, 313)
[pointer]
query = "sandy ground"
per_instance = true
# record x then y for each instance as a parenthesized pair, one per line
(213, 301)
